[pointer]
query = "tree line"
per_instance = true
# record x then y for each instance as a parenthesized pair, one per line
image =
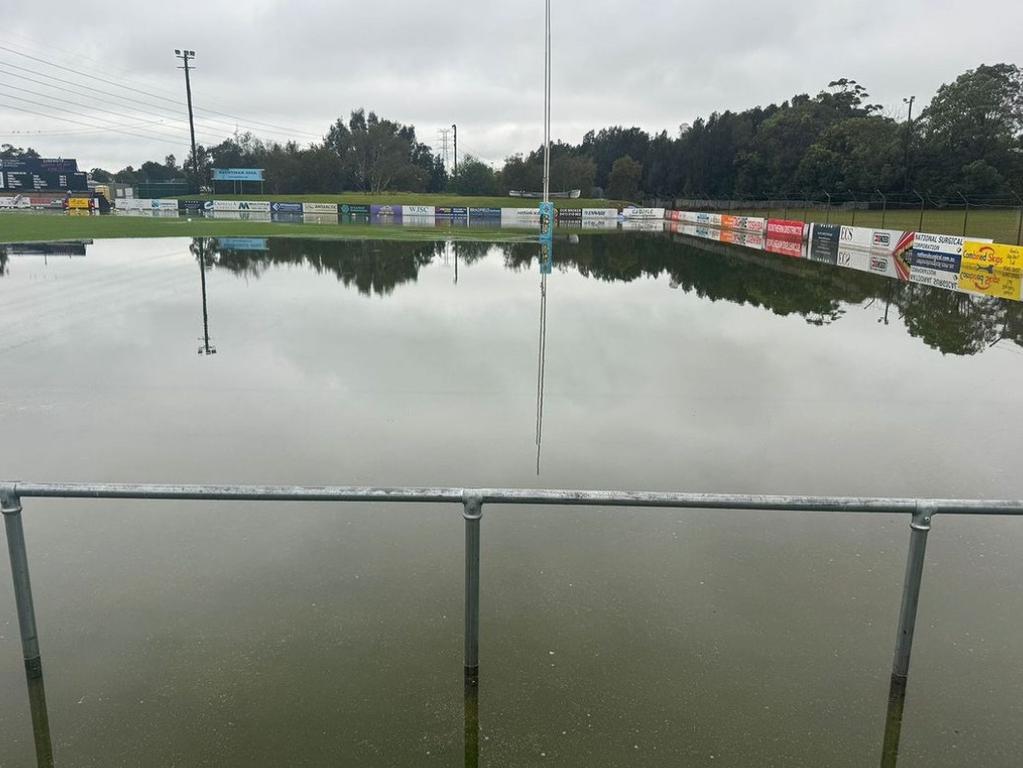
(968, 139)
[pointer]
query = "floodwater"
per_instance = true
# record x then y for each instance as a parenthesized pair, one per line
(229, 634)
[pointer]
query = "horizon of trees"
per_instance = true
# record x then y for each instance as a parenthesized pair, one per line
(968, 139)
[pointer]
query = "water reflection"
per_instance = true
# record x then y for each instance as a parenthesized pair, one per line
(893, 723)
(954, 323)
(472, 722)
(40, 721)
(200, 247)
(546, 260)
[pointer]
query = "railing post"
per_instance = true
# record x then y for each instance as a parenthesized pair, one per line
(10, 506)
(472, 512)
(919, 528)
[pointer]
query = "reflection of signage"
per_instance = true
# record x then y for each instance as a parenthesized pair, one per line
(237, 174)
(242, 243)
(989, 281)
(785, 247)
(939, 278)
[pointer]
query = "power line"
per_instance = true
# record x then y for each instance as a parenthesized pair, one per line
(79, 104)
(82, 73)
(4, 65)
(107, 129)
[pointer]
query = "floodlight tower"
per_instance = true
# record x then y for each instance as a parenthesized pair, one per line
(185, 57)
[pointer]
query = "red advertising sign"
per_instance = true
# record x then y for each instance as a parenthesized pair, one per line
(785, 229)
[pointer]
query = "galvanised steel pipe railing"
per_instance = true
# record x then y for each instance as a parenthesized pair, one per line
(472, 500)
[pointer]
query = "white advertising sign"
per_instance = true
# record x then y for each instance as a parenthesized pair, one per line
(258, 206)
(608, 214)
(643, 213)
(326, 208)
(418, 211)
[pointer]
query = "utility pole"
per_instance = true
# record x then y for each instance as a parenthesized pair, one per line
(455, 129)
(185, 56)
(909, 142)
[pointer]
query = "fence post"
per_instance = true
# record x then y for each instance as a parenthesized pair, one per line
(827, 217)
(922, 203)
(911, 588)
(472, 512)
(10, 506)
(884, 207)
(1019, 230)
(966, 212)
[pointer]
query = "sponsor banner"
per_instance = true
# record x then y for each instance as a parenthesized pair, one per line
(880, 251)
(237, 174)
(418, 211)
(14, 202)
(163, 204)
(450, 213)
(79, 203)
(320, 208)
(748, 223)
(1001, 258)
(529, 215)
(673, 215)
(485, 213)
(934, 260)
(947, 244)
(385, 211)
(706, 219)
(569, 214)
(825, 240)
(593, 214)
(285, 207)
(242, 244)
(46, 202)
(190, 205)
(241, 215)
(258, 206)
(785, 229)
(643, 213)
(349, 209)
(786, 247)
(988, 281)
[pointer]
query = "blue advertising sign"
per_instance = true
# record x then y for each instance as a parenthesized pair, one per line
(451, 213)
(485, 213)
(237, 174)
(286, 207)
(390, 211)
(242, 244)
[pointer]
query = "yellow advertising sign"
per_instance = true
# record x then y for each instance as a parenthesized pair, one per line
(1002, 258)
(79, 202)
(989, 281)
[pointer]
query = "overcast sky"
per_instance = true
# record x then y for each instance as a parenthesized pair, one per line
(299, 64)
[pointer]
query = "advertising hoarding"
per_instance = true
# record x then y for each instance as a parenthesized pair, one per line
(320, 208)
(238, 174)
(825, 240)
(385, 211)
(595, 214)
(285, 207)
(643, 213)
(451, 212)
(785, 229)
(418, 211)
(748, 223)
(484, 213)
(1002, 258)
(189, 205)
(258, 206)
(569, 214)
(350, 209)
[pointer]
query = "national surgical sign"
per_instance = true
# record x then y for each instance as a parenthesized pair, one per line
(238, 174)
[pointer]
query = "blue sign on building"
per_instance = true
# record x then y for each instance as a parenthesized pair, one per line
(238, 174)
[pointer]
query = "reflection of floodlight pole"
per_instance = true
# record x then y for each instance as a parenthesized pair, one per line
(205, 348)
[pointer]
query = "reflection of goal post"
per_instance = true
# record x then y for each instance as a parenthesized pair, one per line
(546, 219)
(238, 177)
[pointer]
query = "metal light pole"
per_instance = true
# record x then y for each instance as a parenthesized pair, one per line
(909, 142)
(455, 129)
(185, 56)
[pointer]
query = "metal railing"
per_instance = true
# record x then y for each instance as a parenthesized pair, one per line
(473, 500)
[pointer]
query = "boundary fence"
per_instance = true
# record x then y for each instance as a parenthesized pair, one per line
(472, 501)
